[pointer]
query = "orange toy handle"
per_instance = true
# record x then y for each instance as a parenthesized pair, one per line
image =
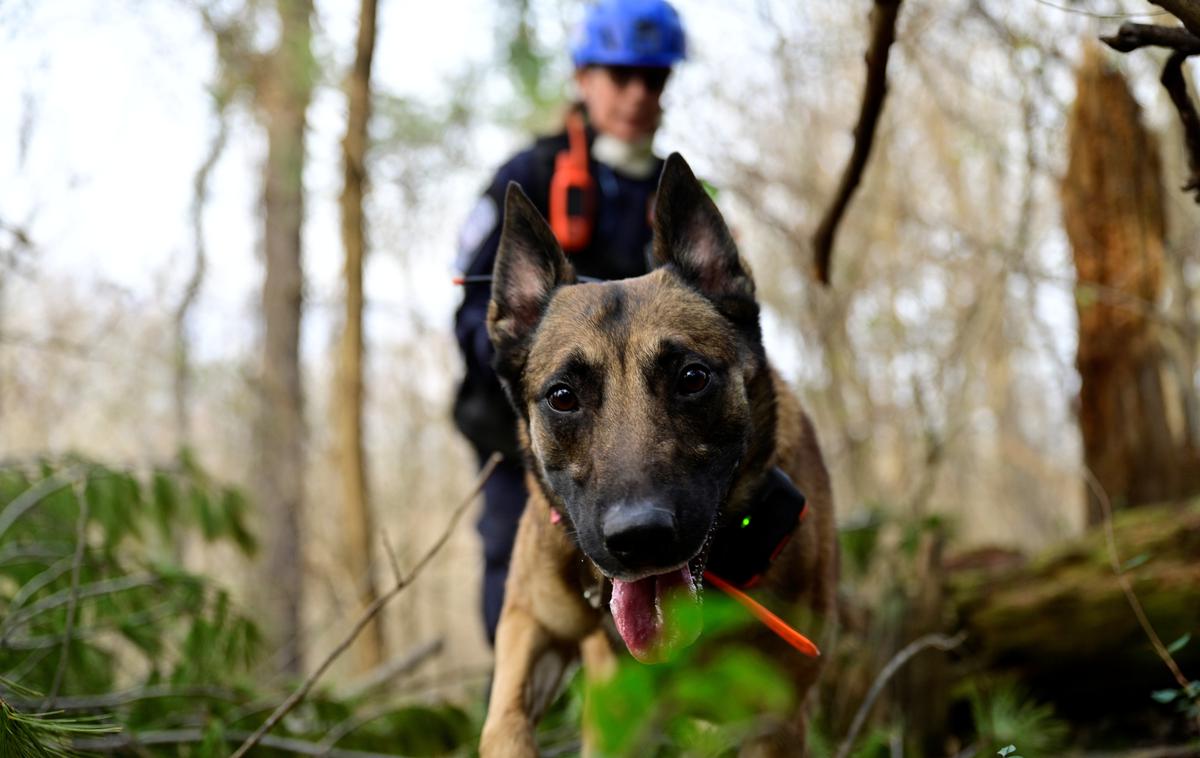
(772, 622)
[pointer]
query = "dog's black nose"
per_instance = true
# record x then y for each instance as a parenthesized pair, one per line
(638, 530)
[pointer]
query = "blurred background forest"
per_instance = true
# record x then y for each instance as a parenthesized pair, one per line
(193, 513)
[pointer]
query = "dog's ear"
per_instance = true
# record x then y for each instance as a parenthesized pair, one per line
(691, 235)
(530, 265)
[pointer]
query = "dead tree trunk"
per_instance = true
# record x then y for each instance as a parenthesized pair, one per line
(348, 400)
(1113, 214)
(283, 96)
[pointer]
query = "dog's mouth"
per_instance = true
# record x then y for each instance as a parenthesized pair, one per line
(651, 613)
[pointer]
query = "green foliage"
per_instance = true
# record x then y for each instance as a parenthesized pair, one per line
(703, 701)
(43, 735)
(198, 659)
(1004, 714)
(77, 617)
(1186, 699)
(537, 76)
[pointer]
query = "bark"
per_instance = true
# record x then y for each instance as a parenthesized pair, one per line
(1113, 208)
(1064, 627)
(348, 401)
(283, 94)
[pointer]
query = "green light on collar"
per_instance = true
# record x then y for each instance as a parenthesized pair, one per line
(745, 522)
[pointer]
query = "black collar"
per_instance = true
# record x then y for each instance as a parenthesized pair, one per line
(744, 546)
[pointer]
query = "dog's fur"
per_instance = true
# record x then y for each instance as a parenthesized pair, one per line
(634, 439)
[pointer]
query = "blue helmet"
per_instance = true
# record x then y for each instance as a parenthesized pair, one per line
(629, 33)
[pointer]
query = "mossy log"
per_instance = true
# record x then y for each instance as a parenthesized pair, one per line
(1063, 626)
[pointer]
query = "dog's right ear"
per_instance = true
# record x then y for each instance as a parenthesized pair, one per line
(530, 265)
(691, 236)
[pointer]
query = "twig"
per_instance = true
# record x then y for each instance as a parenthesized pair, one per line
(371, 611)
(939, 641)
(112, 700)
(397, 667)
(1110, 538)
(1185, 42)
(883, 33)
(72, 599)
(1176, 86)
(1133, 36)
(184, 736)
(58, 599)
(1187, 11)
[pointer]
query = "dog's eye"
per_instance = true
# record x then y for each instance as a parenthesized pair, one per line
(692, 379)
(562, 399)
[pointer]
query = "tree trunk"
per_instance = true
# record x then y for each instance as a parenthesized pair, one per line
(348, 400)
(1113, 214)
(283, 96)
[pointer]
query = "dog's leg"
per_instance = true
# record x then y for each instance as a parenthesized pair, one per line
(543, 621)
(599, 665)
(521, 644)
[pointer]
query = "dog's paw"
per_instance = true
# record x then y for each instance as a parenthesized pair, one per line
(507, 737)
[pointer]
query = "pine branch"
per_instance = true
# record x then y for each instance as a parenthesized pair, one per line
(40, 736)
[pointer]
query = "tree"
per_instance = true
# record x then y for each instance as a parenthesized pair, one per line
(283, 93)
(348, 400)
(1113, 214)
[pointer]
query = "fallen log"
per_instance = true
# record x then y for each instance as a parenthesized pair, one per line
(1062, 625)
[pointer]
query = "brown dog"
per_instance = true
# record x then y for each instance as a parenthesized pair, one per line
(659, 444)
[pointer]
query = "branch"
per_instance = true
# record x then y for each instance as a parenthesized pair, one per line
(113, 700)
(1187, 11)
(371, 611)
(883, 33)
(394, 669)
(1176, 86)
(184, 736)
(1132, 36)
(939, 641)
(64, 597)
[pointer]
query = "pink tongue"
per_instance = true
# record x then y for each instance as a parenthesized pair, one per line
(637, 608)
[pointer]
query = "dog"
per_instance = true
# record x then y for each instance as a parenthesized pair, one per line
(652, 427)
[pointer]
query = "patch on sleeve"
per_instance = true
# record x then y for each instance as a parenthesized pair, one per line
(480, 223)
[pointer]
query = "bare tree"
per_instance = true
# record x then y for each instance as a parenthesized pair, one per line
(357, 519)
(283, 93)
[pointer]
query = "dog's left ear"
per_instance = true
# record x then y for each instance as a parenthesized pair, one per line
(530, 265)
(691, 235)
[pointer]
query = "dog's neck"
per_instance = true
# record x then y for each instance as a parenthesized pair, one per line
(760, 454)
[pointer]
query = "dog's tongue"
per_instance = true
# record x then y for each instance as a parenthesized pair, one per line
(638, 609)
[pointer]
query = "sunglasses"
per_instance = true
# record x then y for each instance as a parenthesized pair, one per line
(653, 78)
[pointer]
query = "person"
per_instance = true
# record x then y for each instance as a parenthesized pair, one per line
(594, 182)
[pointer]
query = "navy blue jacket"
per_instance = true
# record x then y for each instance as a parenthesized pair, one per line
(620, 248)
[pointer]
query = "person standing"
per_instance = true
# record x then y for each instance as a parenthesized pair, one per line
(594, 182)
